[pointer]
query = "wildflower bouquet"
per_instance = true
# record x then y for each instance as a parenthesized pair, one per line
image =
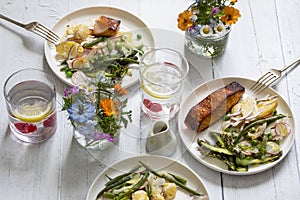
(95, 110)
(207, 21)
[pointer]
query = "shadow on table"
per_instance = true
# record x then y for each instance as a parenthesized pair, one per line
(28, 40)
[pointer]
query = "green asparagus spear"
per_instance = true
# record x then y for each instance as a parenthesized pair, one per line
(109, 195)
(219, 139)
(92, 43)
(116, 183)
(249, 161)
(179, 178)
(258, 122)
(172, 180)
(149, 191)
(117, 178)
(228, 160)
(135, 187)
(204, 144)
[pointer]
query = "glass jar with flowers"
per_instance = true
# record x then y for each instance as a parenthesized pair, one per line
(96, 111)
(207, 24)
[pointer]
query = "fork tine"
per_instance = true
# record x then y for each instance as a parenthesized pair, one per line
(266, 83)
(49, 31)
(259, 89)
(47, 34)
(36, 28)
(260, 81)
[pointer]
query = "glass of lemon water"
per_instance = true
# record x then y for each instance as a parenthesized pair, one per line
(30, 96)
(162, 75)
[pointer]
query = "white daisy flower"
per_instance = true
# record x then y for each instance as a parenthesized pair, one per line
(90, 89)
(220, 29)
(206, 31)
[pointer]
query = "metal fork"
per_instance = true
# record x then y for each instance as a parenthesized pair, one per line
(270, 77)
(36, 28)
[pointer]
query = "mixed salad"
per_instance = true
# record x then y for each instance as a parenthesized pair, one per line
(82, 54)
(251, 134)
(144, 183)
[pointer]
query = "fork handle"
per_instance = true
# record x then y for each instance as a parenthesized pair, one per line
(295, 63)
(12, 21)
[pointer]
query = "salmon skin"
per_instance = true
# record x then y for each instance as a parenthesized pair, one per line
(106, 26)
(214, 106)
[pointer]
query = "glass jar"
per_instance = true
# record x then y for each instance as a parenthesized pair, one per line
(207, 46)
(91, 136)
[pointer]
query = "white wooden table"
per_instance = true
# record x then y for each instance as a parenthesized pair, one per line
(59, 168)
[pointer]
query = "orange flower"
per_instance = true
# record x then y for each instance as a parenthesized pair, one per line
(119, 90)
(108, 107)
(233, 1)
(184, 20)
(231, 15)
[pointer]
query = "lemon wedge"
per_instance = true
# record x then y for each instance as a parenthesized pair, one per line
(69, 49)
(33, 113)
(150, 91)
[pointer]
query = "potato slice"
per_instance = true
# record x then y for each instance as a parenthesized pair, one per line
(267, 107)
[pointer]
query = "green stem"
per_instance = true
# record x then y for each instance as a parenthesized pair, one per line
(92, 43)
(135, 187)
(258, 122)
(178, 178)
(172, 180)
(117, 178)
(120, 181)
(204, 144)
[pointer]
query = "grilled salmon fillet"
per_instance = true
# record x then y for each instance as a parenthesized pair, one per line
(214, 106)
(106, 26)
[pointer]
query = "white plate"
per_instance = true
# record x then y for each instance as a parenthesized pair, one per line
(129, 22)
(190, 137)
(158, 163)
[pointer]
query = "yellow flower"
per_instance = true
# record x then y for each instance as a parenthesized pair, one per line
(184, 20)
(231, 15)
(108, 107)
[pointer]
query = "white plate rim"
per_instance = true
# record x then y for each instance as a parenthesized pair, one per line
(134, 23)
(96, 186)
(189, 137)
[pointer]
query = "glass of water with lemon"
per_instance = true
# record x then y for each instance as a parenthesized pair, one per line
(30, 96)
(162, 74)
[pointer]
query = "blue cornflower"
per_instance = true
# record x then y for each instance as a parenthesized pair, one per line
(194, 30)
(87, 130)
(81, 112)
(213, 23)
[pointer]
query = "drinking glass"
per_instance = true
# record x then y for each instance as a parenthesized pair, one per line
(31, 104)
(162, 73)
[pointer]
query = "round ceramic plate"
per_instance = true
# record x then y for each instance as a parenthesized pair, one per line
(129, 22)
(157, 163)
(190, 137)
